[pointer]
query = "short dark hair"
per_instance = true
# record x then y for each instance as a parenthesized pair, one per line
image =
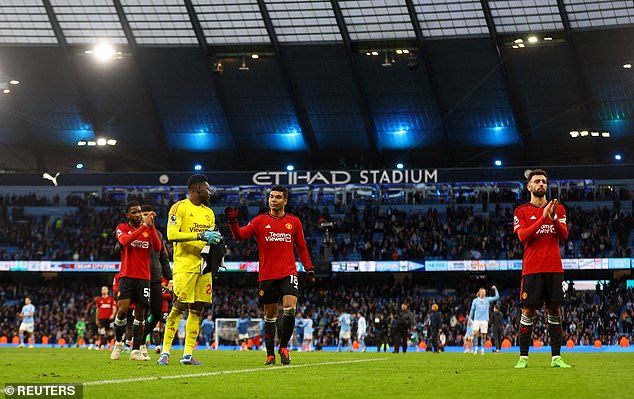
(147, 208)
(281, 189)
(536, 172)
(196, 179)
(131, 204)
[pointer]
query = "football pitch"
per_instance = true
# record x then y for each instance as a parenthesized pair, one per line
(236, 374)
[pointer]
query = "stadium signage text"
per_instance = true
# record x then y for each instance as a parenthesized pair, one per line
(370, 176)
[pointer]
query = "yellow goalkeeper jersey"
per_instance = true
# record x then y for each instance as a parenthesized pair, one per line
(184, 223)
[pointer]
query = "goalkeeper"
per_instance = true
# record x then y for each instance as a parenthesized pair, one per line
(189, 227)
(277, 233)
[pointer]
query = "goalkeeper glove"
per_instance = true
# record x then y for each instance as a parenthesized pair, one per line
(231, 214)
(211, 236)
(310, 278)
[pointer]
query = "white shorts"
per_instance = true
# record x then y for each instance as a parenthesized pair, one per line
(28, 327)
(481, 325)
(344, 335)
(360, 336)
(308, 337)
(243, 336)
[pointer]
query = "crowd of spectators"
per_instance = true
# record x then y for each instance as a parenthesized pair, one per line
(605, 314)
(371, 232)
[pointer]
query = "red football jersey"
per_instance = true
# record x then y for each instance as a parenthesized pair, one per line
(105, 307)
(277, 239)
(135, 255)
(541, 238)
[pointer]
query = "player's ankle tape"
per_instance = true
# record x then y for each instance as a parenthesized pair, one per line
(527, 321)
(270, 319)
(289, 311)
(556, 320)
(119, 322)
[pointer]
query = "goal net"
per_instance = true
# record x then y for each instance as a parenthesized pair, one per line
(226, 332)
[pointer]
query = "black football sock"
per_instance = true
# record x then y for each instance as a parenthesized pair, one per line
(137, 334)
(554, 330)
(269, 335)
(119, 329)
(288, 326)
(526, 332)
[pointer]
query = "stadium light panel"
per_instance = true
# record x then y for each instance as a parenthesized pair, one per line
(574, 133)
(82, 142)
(79, 166)
(583, 133)
(290, 168)
(627, 66)
(6, 91)
(14, 82)
(399, 165)
(102, 141)
(498, 162)
(198, 166)
(618, 157)
(92, 143)
(255, 56)
(548, 38)
(111, 142)
(518, 41)
(532, 39)
(605, 134)
(594, 134)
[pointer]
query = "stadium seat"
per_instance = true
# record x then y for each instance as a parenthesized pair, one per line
(488, 344)
(355, 345)
(61, 342)
(537, 344)
(4, 340)
(422, 345)
(506, 343)
(15, 340)
(570, 344)
(598, 344)
(45, 340)
(624, 343)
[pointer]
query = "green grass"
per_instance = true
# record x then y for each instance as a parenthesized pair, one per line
(234, 374)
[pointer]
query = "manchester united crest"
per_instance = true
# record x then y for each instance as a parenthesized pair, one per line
(261, 292)
(524, 295)
(288, 226)
(146, 234)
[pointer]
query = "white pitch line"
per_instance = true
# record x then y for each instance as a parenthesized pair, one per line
(212, 373)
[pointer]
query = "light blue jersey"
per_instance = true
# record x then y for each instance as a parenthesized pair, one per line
(480, 307)
(308, 327)
(242, 325)
(345, 320)
(361, 328)
(28, 311)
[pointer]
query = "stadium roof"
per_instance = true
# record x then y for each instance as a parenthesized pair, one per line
(345, 84)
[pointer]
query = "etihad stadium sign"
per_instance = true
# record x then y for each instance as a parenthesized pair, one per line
(336, 177)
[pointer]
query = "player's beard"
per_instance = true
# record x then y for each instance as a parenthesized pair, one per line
(539, 193)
